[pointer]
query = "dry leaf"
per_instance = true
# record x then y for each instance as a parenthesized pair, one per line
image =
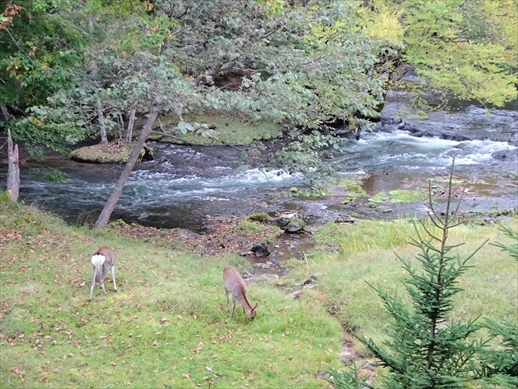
(186, 375)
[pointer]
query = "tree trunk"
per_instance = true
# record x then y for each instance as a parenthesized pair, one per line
(13, 169)
(4, 115)
(129, 133)
(104, 217)
(100, 116)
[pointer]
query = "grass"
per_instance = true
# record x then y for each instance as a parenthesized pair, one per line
(350, 256)
(167, 327)
(230, 129)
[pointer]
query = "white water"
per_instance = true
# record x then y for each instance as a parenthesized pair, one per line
(184, 184)
(402, 151)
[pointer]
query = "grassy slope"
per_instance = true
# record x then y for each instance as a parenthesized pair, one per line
(349, 256)
(167, 326)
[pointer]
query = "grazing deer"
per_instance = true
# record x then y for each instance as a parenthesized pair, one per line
(103, 259)
(236, 286)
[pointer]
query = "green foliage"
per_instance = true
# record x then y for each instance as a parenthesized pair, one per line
(54, 175)
(464, 49)
(37, 48)
(296, 66)
(427, 348)
(501, 365)
(512, 249)
(349, 379)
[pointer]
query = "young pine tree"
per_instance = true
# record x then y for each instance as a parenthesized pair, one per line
(426, 348)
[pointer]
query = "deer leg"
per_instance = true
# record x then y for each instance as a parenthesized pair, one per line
(226, 294)
(233, 305)
(102, 286)
(93, 282)
(113, 276)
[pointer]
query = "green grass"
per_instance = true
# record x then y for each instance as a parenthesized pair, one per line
(167, 327)
(406, 196)
(350, 256)
(229, 130)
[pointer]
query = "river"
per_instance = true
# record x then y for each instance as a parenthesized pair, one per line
(184, 184)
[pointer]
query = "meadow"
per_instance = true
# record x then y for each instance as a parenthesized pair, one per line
(167, 326)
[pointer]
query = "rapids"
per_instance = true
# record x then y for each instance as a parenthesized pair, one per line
(184, 184)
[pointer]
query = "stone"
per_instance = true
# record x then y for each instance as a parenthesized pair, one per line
(260, 250)
(294, 225)
(346, 356)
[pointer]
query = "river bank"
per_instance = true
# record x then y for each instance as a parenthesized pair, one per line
(184, 185)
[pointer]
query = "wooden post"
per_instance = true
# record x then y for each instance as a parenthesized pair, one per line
(13, 169)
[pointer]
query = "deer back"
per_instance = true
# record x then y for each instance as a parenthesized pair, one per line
(108, 254)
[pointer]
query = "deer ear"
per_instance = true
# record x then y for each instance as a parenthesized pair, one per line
(254, 307)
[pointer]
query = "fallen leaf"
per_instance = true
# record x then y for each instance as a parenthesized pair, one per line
(186, 375)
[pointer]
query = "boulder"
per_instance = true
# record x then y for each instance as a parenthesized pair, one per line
(260, 250)
(115, 152)
(294, 224)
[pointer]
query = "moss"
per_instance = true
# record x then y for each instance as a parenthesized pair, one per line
(105, 153)
(379, 197)
(406, 196)
(228, 130)
(249, 227)
(259, 217)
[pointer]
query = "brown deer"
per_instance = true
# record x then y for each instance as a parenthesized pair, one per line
(103, 260)
(236, 286)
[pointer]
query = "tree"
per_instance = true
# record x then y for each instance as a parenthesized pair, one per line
(103, 218)
(36, 49)
(426, 348)
(148, 79)
(462, 49)
(290, 70)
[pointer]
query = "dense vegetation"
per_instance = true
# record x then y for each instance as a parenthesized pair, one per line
(73, 70)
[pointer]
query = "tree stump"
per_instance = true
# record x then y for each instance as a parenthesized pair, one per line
(13, 169)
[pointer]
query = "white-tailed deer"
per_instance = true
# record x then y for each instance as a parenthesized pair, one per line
(103, 260)
(236, 286)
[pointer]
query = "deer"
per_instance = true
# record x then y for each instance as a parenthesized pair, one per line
(103, 260)
(235, 285)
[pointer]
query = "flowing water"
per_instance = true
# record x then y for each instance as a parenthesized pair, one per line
(184, 184)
